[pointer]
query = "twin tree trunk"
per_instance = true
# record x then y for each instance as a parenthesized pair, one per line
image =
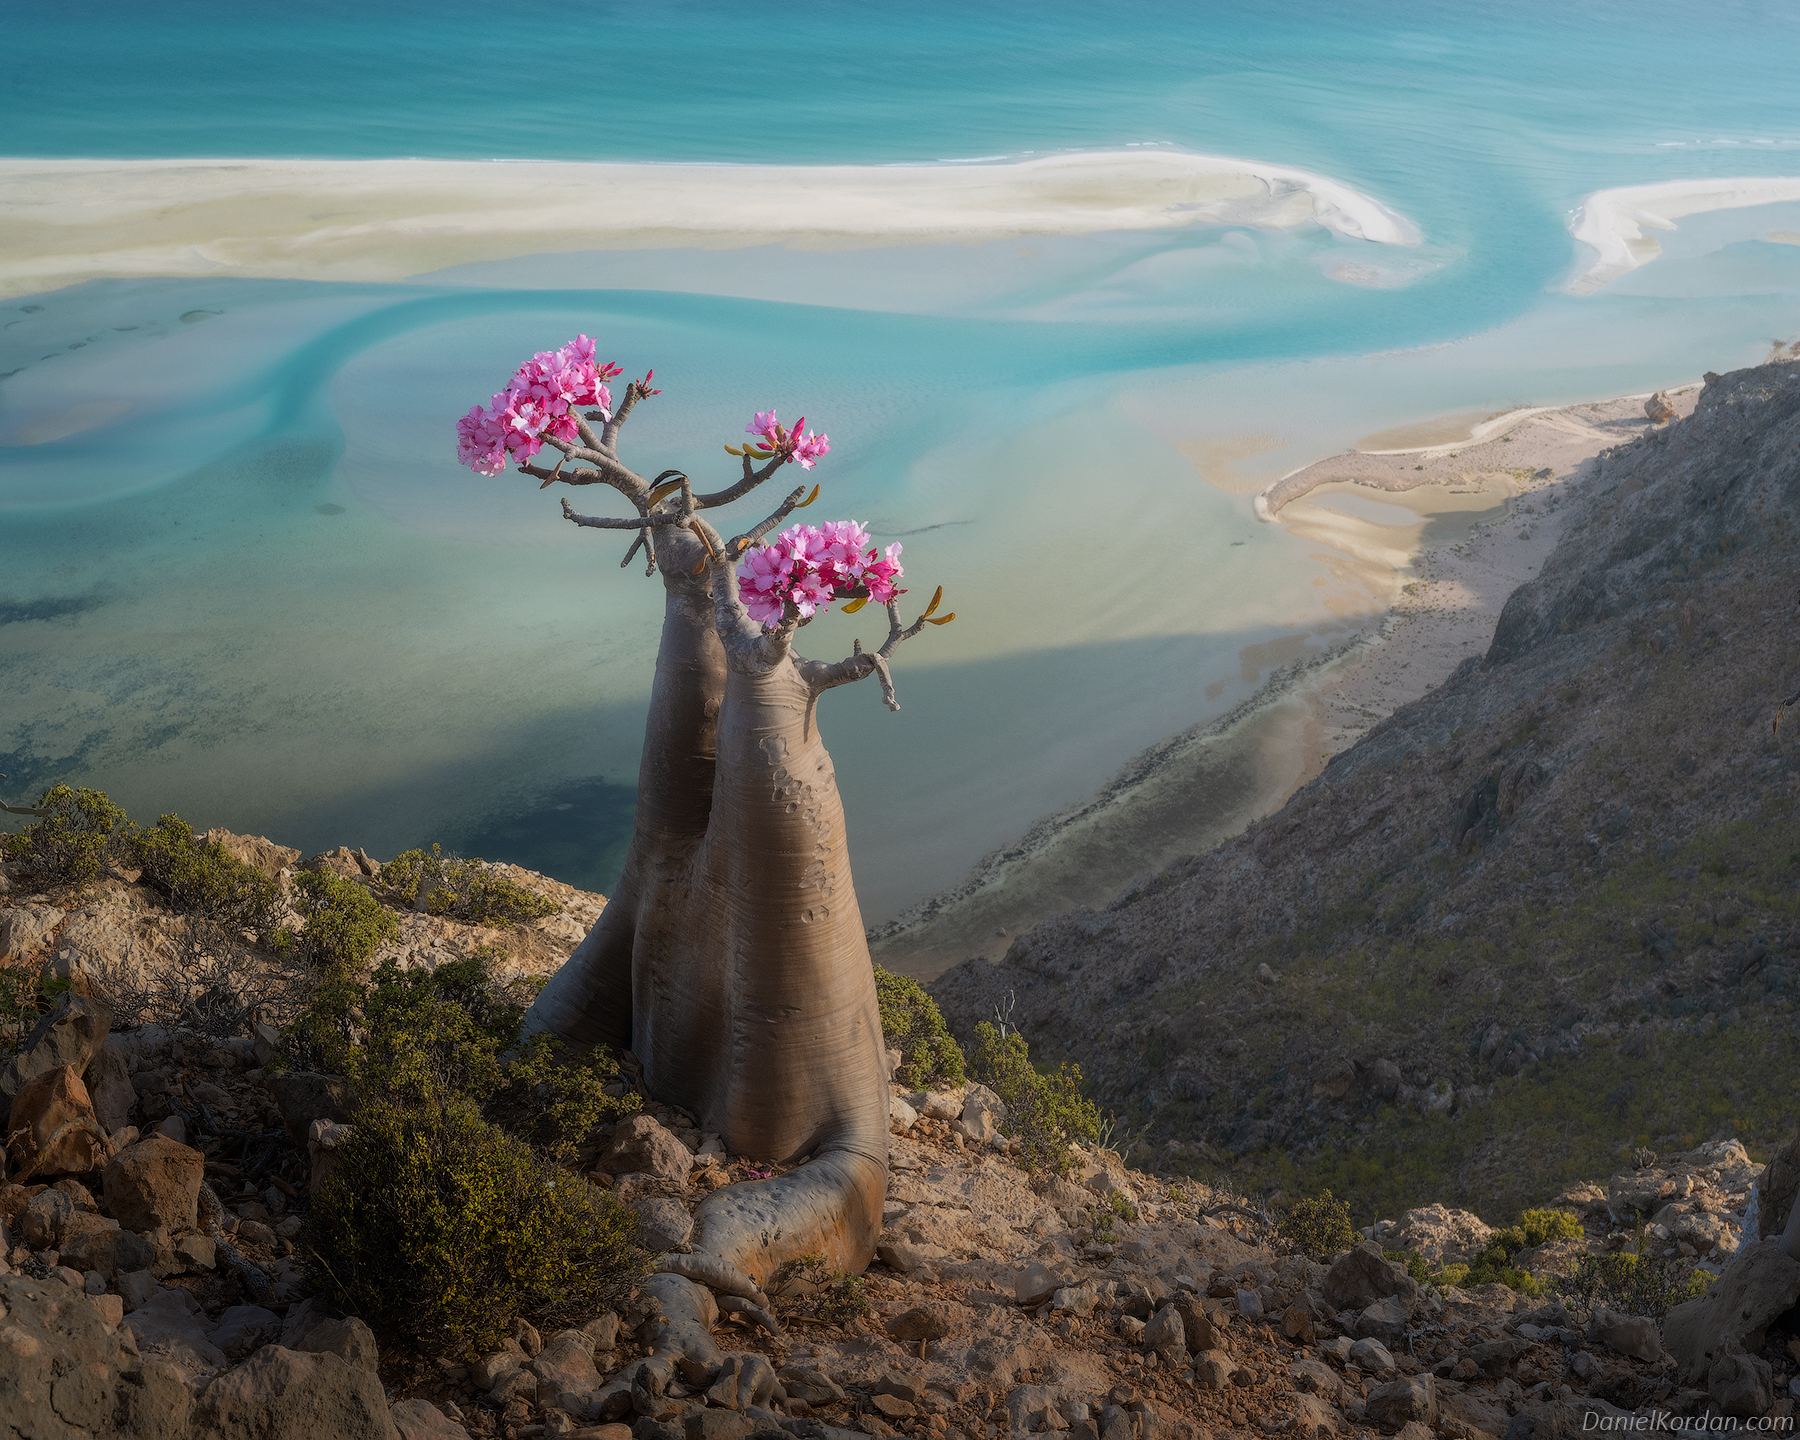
(732, 960)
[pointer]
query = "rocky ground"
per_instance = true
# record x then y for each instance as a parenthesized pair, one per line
(1464, 962)
(150, 1288)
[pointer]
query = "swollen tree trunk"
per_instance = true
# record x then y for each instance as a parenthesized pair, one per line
(732, 959)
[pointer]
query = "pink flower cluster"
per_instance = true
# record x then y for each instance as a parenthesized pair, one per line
(541, 399)
(791, 445)
(812, 565)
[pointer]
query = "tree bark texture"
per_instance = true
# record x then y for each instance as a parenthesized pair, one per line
(732, 961)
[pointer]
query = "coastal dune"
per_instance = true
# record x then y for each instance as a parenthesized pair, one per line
(373, 220)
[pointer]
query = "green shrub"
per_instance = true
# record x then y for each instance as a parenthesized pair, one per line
(71, 844)
(1540, 1227)
(912, 1024)
(202, 878)
(464, 890)
(345, 924)
(837, 1297)
(437, 1224)
(1317, 1229)
(1634, 1284)
(1047, 1112)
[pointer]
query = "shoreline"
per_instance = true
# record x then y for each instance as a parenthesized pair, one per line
(389, 220)
(1484, 514)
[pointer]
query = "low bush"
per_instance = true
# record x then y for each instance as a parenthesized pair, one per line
(1494, 1266)
(440, 1226)
(450, 1212)
(1633, 1284)
(71, 844)
(832, 1296)
(344, 924)
(1047, 1112)
(1317, 1229)
(457, 889)
(203, 879)
(912, 1024)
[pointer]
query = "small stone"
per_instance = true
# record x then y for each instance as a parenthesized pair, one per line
(45, 1218)
(1166, 1336)
(1034, 1285)
(197, 1252)
(136, 1288)
(67, 1276)
(1413, 1397)
(892, 1407)
(1249, 1304)
(349, 1339)
(172, 1127)
(155, 1183)
(901, 1116)
(1385, 1320)
(1372, 1356)
(933, 1321)
(1635, 1336)
(641, 1146)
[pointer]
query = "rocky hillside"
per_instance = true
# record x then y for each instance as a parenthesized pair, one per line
(1542, 916)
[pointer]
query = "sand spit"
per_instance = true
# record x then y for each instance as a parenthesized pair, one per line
(374, 220)
(1453, 529)
(1612, 222)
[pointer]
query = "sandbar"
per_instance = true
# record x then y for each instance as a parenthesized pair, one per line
(382, 220)
(1612, 222)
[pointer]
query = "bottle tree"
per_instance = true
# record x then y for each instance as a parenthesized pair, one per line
(731, 959)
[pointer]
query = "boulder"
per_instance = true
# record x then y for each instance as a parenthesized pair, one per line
(901, 1116)
(1631, 1335)
(1034, 1285)
(1363, 1275)
(71, 1034)
(109, 1086)
(279, 1394)
(103, 1246)
(350, 1340)
(155, 1183)
(1775, 1191)
(245, 1328)
(24, 929)
(45, 1130)
(304, 1096)
(566, 1372)
(44, 1219)
(1166, 1335)
(418, 1419)
(983, 1113)
(1199, 1326)
(1659, 409)
(663, 1224)
(172, 1326)
(1441, 1235)
(1760, 1284)
(255, 851)
(640, 1146)
(1372, 1356)
(1412, 1397)
(932, 1321)
(1741, 1386)
(1384, 1320)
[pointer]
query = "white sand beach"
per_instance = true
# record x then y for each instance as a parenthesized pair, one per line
(368, 220)
(1446, 531)
(1612, 222)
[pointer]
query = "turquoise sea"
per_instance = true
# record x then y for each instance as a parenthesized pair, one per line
(242, 577)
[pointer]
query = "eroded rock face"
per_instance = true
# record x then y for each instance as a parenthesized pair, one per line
(1776, 1188)
(255, 851)
(24, 929)
(155, 1183)
(279, 1394)
(71, 1034)
(1441, 1235)
(44, 1126)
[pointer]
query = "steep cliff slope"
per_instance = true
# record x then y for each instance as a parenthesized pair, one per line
(1548, 911)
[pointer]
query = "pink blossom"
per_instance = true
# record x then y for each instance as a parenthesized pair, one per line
(810, 566)
(764, 424)
(543, 398)
(809, 449)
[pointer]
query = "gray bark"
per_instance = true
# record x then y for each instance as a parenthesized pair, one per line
(732, 959)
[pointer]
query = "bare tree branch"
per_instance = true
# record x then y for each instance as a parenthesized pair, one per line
(752, 478)
(608, 522)
(860, 663)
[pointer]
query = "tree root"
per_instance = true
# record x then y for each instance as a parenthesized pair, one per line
(830, 1206)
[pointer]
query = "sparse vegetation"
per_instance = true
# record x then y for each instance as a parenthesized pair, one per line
(345, 924)
(202, 879)
(912, 1024)
(70, 846)
(458, 889)
(442, 1220)
(1046, 1111)
(1632, 1283)
(1317, 1229)
(829, 1295)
